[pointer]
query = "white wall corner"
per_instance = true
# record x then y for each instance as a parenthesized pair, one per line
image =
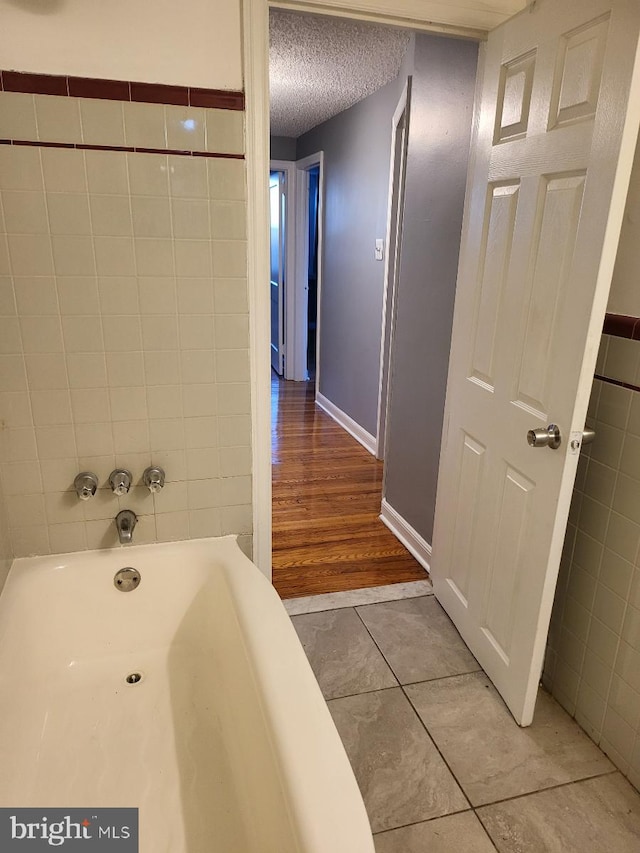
(410, 538)
(360, 434)
(256, 74)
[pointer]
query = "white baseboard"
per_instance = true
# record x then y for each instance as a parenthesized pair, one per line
(411, 540)
(359, 433)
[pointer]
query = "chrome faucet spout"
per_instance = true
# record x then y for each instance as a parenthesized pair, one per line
(126, 520)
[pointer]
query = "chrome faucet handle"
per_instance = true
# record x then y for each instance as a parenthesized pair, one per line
(85, 485)
(120, 481)
(153, 478)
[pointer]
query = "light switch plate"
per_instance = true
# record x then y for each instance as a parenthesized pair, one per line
(379, 254)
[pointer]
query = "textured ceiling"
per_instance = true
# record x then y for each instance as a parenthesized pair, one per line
(320, 66)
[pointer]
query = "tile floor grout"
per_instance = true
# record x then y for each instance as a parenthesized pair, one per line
(437, 748)
(423, 725)
(548, 788)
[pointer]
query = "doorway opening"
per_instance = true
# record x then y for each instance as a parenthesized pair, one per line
(348, 239)
(313, 202)
(277, 232)
(397, 172)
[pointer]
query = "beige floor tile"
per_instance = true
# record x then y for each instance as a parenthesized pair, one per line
(490, 755)
(418, 639)
(343, 656)
(594, 816)
(459, 833)
(401, 776)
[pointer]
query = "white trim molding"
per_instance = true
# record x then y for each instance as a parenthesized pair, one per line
(395, 199)
(255, 27)
(290, 277)
(342, 419)
(302, 264)
(410, 538)
(453, 17)
(456, 18)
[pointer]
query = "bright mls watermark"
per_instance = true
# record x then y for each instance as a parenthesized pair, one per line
(102, 830)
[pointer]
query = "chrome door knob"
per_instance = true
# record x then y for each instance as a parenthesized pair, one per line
(549, 437)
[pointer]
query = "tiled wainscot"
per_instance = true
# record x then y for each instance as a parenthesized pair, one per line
(593, 657)
(123, 316)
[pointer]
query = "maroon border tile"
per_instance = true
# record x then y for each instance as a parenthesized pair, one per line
(30, 144)
(120, 90)
(34, 84)
(84, 146)
(620, 325)
(617, 382)
(218, 156)
(217, 99)
(107, 90)
(157, 93)
(81, 146)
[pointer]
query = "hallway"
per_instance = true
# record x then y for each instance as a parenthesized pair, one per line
(327, 536)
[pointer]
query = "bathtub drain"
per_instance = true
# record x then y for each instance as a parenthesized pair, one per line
(133, 677)
(127, 579)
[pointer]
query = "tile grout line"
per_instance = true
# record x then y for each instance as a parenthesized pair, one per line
(471, 808)
(548, 788)
(455, 778)
(428, 820)
(439, 751)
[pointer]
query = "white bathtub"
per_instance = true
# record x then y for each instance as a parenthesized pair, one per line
(225, 745)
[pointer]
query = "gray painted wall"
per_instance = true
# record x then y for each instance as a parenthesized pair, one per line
(283, 148)
(356, 145)
(440, 124)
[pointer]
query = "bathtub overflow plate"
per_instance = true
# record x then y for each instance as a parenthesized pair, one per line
(127, 579)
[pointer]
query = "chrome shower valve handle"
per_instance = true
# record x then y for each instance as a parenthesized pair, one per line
(85, 485)
(120, 481)
(153, 478)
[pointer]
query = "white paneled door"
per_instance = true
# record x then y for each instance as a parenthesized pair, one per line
(557, 123)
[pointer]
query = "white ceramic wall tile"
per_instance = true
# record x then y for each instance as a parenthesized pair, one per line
(144, 125)
(197, 366)
(69, 213)
(225, 131)
(6, 553)
(227, 179)
(102, 122)
(111, 215)
(185, 128)
(46, 371)
(58, 118)
(111, 319)
(195, 296)
(594, 647)
(17, 116)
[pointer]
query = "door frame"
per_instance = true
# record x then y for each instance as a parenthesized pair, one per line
(290, 277)
(255, 39)
(391, 269)
(300, 317)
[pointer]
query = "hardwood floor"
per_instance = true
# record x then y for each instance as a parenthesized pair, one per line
(327, 536)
